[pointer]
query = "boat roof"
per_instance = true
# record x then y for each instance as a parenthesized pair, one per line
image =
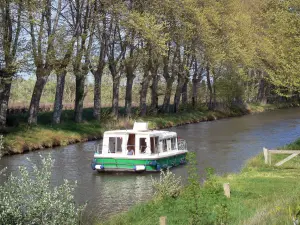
(145, 132)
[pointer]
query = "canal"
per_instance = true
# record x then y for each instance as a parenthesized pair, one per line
(224, 145)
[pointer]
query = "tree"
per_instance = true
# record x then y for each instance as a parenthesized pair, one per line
(40, 20)
(63, 56)
(116, 53)
(10, 18)
(103, 30)
(84, 14)
(280, 50)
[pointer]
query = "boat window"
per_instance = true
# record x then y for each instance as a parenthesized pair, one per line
(143, 145)
(115, 145)
(165, 146)
(173, 144)
(154, 145)
(131, 142)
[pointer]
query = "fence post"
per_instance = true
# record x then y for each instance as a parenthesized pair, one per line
(162, 220)
(226, 190)
(269, 158)
(266, 155)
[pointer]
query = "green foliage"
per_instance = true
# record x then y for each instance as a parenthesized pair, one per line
(168, 185)
(281, 49)
(207, 204)
(28, 198)
(148, 28)
(229, 89)
(193, 174)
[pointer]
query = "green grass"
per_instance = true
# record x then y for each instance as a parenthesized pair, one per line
(257, 108)
(260, 194)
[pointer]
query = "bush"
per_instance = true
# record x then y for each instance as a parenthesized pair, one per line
(167, 185)
(205, 204)
(30, 199)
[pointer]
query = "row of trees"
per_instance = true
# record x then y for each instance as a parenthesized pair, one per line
(232, 44)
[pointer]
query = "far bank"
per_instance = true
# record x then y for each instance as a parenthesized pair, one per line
(21, 138)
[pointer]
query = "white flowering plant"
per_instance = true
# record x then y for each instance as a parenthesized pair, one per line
(168, 185)
(29, 198)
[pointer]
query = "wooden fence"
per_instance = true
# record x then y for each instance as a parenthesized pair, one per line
(268, 155)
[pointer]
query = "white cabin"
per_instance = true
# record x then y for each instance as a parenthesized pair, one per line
(141, 140)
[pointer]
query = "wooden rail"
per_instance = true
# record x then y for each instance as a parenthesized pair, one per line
(268, 153)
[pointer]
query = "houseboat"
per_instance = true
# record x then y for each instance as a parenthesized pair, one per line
(139, 149)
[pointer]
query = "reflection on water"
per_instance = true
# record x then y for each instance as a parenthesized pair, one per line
(224, 144)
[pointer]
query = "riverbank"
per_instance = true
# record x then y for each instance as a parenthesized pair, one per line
(260, 194)
(21, 138)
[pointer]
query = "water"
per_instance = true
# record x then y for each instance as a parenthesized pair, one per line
(224, 145)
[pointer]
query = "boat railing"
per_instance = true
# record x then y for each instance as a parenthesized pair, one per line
(182, 144)
(98, 148)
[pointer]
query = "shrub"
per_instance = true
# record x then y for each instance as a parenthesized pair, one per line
(205, 204)
(168, 185)
(30, 199)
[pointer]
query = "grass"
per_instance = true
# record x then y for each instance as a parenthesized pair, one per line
(20, 137)
(257, 108)
(260, 194)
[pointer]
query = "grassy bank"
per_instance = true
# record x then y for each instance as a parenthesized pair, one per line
(260, 194)
(21, 138)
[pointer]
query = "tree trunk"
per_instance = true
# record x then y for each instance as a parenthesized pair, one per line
(36, 97)
(185, 92)
(195, 82)
(154, 95)
(129, 83)
(168, 92)
(178, 94)
(59, 95)
(5, 87)
(214, 105)
(262, 97)
(79, 97)
(115, 99)
(128, 95)
(97, 95)
(210, 105)
(143, 93)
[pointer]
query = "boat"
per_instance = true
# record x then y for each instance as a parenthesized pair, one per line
(139, 149)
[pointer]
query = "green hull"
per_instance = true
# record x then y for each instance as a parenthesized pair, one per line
(125, 164)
